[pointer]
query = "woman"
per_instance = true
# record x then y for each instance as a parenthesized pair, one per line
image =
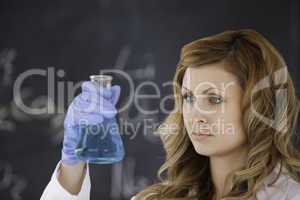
(236, 114)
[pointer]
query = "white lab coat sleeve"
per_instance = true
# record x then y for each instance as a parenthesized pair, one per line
(55, 191)
(293, 192)
(297, 197)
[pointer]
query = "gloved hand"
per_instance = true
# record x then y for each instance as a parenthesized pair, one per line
(90, 107)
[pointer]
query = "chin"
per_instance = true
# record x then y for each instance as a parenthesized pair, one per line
(204, 151)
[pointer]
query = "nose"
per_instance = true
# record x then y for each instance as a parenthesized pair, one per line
(198, 117)
(201, 106)
(199, 123)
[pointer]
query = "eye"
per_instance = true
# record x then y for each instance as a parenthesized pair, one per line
(215, 99)
(187, 97)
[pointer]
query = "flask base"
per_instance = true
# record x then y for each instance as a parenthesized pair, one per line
(91, 156)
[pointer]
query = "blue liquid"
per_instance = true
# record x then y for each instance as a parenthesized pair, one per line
(100, 143)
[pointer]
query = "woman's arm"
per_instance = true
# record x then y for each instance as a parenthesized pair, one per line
(71, 177)
(74, 183)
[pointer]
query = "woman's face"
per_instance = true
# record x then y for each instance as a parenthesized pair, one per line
(212, 96)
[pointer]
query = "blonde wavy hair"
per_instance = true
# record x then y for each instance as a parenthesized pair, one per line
(251, 58)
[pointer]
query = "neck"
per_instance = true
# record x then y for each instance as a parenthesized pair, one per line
(222, 165)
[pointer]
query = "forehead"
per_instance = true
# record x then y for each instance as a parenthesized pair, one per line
(205, 76)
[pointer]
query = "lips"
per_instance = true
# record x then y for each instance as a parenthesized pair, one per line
(199, 136)
(202, 133)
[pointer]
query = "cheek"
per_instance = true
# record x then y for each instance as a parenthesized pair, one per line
(186, 122)
(185, 109)
(233, 140)
(230, 136)
(221, 145)
(230, 143)
(230, 122)
(231, 132)
(185, 116)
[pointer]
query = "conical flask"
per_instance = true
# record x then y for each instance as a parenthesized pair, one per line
(100, 144)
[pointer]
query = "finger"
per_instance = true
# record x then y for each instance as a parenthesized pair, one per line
(75, 118)
(71, 137)
(90, 88)
(83, 119)
(116, 90)
(100, 105)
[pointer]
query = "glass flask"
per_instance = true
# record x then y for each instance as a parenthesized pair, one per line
(100, 143)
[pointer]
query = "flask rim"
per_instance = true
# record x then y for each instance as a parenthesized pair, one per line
(101, 77)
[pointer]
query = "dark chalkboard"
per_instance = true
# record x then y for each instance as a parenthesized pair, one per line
(74, 39)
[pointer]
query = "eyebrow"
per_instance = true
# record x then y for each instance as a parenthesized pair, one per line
(204, 91)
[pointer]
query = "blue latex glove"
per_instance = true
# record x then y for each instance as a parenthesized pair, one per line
(89, 107)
